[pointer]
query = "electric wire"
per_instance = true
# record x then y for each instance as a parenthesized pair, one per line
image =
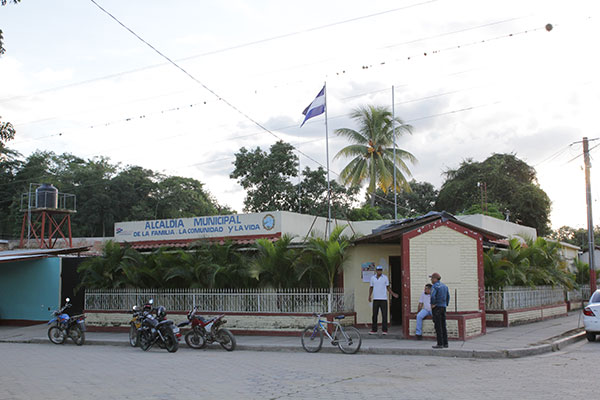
(222, 50)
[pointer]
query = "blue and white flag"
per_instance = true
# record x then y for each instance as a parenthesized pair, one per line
(317, 107)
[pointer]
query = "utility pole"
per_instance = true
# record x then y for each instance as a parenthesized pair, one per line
(588, 199)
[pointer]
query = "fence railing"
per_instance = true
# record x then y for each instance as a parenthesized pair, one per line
(578, 294)
(223, 300)
(511, 298)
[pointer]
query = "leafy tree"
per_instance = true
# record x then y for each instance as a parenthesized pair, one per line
(313, 194)
(179, 197)
(419, 200)
(266, 177)
(267, 180)
(3, 3)
(7, 131)
(9, 166)
(492, 210)
(106, 193)
(365, 213)
(511, 184)
(373, 155)
(577, 237)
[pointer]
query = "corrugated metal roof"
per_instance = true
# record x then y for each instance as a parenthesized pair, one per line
(33, 254)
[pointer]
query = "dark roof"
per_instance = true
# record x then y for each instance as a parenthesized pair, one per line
(393, 231)
(33, 254)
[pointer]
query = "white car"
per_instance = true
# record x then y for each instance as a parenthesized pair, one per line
(591, 317)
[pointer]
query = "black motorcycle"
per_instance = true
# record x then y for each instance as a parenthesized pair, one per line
(159, 330)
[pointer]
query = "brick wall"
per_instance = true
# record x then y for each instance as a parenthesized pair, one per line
(473, 327)
(454, 256)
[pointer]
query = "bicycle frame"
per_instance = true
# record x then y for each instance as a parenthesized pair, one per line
(322, 325)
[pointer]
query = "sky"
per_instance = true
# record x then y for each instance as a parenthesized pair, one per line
(472, 77)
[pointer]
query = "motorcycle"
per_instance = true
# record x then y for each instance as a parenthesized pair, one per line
(159, 330)
(206, 331)
(136, 322)
(64, 326)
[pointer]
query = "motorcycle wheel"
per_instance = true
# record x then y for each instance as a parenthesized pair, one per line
(171, 342)
(56, 335)
(134, 336)
(195, 340)
(145, 341)
(226, 339)
(77, 335)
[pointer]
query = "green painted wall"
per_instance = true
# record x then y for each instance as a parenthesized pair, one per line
(29, 288)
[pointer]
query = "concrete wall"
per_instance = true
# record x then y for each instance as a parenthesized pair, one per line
(29, 289)
(585, 257)
(377, 253)
(255, 323)
(524, 316)
(454, 256)
(504, 228)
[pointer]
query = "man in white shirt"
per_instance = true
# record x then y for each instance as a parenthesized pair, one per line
(424, 310)
(378, 293)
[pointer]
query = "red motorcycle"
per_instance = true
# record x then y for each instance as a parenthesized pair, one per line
(205, 331)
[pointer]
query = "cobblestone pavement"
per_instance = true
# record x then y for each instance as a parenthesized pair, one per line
(46, 371)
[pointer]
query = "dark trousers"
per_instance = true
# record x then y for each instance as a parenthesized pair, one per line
(439, 321)
(380, 304)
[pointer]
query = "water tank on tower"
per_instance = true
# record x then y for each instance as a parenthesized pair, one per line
(46, 196)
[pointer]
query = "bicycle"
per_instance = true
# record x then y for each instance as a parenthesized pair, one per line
(347, 339)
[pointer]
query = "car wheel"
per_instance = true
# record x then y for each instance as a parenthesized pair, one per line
(591, 337)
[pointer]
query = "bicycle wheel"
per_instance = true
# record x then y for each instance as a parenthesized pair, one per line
(312, 339)
(348, 339)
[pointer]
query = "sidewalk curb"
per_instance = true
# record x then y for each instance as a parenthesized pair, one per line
(554, 346)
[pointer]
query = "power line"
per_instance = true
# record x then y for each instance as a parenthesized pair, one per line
(222, 50)
(305, 142)
(225, 101)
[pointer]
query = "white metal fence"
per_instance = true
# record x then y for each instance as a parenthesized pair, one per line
(224, 300)
(578, 294)
(513, 297)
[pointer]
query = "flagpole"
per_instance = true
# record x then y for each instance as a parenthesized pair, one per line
(394, 138)
(327, 155)
(299, 186)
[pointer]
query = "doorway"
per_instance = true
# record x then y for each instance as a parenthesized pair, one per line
(396, 282)
(69, 282)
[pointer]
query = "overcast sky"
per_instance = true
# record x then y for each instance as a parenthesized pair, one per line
(472, 77)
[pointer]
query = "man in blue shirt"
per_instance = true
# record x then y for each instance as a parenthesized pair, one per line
(439, 301)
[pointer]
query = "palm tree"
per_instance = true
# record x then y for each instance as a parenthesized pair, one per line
(373, 151)
(275, 263)
(327, 256)
(116, 268)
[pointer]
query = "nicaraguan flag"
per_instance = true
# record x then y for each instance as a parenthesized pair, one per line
(317, 107)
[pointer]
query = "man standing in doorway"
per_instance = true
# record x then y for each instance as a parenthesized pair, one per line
(378, 293)
(439, 301)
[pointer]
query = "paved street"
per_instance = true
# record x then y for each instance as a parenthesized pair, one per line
(36, 371)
